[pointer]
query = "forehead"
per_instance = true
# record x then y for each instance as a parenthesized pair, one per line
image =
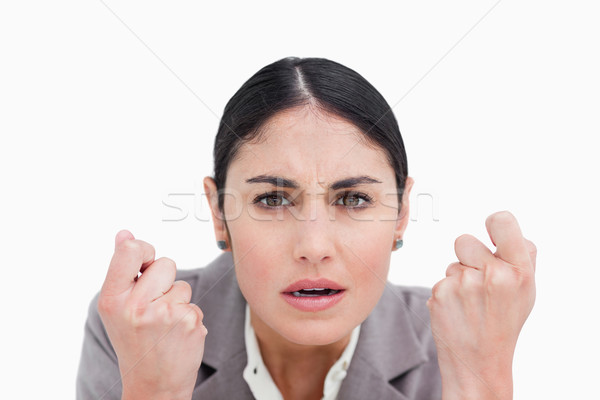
(308, 144)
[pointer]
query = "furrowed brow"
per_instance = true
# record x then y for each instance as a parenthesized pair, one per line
(290, 183)
(274, 180)
(352, 182)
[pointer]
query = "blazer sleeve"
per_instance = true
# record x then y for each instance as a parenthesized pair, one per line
(98, 376)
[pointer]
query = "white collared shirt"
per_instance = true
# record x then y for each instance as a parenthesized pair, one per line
(259, 379)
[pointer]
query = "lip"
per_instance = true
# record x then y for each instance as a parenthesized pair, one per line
(317, 303)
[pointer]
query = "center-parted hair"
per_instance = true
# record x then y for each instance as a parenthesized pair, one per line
(325, 84)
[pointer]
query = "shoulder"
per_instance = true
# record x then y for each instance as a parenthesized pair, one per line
(215, 290)
(405, 307)
(207, 274)
(200, 279)
(397, 342)
(215, 280)
(409, 295)
(412, 300)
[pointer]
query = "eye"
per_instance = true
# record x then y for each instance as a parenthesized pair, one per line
(354, 200)
(272, 200)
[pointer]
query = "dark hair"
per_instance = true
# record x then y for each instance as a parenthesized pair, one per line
(292, 82)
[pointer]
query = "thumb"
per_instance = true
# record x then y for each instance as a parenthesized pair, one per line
(122, 236)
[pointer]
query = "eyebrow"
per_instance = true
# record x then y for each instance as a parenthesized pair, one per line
(290, 183)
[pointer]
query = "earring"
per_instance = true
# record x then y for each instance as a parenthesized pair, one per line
(399, 243)
(221, 244)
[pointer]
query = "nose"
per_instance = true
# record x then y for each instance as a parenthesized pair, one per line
(315, 236)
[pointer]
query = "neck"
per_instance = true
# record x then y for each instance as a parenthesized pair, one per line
(297, 370)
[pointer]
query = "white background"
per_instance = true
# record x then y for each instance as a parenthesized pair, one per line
(108, 107)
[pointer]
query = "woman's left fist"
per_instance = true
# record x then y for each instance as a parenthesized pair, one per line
(478, 310)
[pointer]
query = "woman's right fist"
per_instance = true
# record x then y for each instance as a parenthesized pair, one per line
(157, 334)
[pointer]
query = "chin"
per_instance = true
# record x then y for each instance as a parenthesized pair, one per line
(315, 332)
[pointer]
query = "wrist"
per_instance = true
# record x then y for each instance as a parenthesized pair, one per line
(140, 387)
(490, 382)
(153, 396)
(144, 392)
(477, 389)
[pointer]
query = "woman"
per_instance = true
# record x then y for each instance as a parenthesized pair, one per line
(309, 198)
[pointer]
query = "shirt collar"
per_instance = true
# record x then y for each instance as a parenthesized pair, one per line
(260, 381)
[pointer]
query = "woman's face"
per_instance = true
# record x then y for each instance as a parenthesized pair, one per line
(322, 234)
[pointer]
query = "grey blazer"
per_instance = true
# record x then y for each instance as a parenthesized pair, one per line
(395, 357)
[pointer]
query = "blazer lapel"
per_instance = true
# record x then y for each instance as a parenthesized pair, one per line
(227, 382)
(387, 348)
(218, 296)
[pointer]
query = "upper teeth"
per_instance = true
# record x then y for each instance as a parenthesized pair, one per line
(302, 292)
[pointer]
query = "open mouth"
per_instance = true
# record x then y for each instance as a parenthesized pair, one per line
(315, 292)
(314, 295)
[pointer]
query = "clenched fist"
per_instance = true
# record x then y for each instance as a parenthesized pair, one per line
(157, 334)
(478, 310)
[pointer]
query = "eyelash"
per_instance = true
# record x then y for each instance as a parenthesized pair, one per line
(367, 199)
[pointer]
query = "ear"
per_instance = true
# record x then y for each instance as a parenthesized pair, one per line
(219, 224)
(404, 214)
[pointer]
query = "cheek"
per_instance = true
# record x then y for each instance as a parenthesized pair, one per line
(371, 261)
(256, 234)
(256, 266)
(256, 283)
(258, 246)
(371, 278)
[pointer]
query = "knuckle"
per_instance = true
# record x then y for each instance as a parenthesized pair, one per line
(469, 282)
(130, 246)
(465, 280)
(198, 311)
(531, 247)
(453, 268)
(140, 315)
(166, 268)
(159, 315)
(164, 313)
(184, 291)
(429, 302)
(192, 317)
(105, 305)
(437, 290)
(525, 276)
(137, 317)
(186, 288)
(168, 264)
(498, 279)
